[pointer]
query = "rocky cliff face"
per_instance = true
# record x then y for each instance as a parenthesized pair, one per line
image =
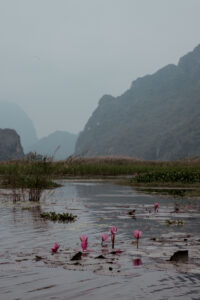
(158, 118)
(10, 146)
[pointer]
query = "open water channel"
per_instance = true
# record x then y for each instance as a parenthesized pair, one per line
(28, 270)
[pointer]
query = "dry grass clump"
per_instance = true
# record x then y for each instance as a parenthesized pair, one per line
(103, 160)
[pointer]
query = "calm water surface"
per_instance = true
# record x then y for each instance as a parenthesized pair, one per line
(133, 274)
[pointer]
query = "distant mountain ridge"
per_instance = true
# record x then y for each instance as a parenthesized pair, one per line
(13, 117)
(59, 144)
(158, 118)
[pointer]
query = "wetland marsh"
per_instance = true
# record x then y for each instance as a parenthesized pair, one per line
(30, 271)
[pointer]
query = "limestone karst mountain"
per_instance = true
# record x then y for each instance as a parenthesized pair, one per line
(158, 118)
(10, 146)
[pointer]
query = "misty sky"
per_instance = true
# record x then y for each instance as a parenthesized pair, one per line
(58, 57)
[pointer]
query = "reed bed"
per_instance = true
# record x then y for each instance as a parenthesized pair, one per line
(20, 172)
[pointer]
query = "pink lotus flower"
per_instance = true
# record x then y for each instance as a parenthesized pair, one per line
(83, 238)
(104, 237)
(156, 205)
(84, 245)
(84, 242)
(137, 235)
(55, 248)
(113, 231)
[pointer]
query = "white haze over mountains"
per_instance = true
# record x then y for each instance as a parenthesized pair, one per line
(58, 57)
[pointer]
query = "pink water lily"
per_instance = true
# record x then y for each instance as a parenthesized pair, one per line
(156, 205)
(84, 245)
(137, 235)
(104, 237)
(55, 248)
(84, 242)
(83, 238)
(113, 231)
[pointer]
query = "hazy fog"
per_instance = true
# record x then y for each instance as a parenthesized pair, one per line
(58, 57)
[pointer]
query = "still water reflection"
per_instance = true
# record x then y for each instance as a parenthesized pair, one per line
(133, 274)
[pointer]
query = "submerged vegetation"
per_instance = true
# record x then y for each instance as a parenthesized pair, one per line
(58, 217)
(174, 222)
(169, 174)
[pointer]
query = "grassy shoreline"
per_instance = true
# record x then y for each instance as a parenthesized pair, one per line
(126, 171)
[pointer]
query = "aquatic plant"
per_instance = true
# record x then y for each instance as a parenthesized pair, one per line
(180, 256)
(174, 222)
(137, 235)
(59, 217)
(131, 212)
(113, 231)
(83, 238)
(27, 180)
(55, 248)
(180, 174)
(84, 242)
(77, 256)
(156, 205)
(104, 237)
